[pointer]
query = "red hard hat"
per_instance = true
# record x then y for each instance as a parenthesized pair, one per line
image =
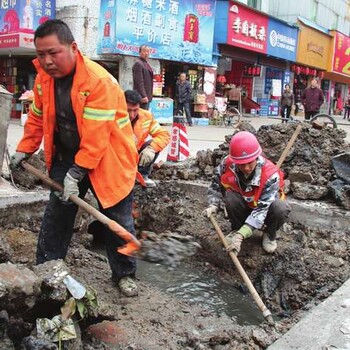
(244, 148)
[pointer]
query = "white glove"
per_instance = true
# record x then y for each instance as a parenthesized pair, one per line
(16, 160)
(234, 241)
(70, 187)
(211, 210)
(146, 156)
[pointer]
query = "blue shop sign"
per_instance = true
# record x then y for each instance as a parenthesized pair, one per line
(282, 40)
(177, 30)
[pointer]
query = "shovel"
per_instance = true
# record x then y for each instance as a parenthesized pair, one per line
(132, 244)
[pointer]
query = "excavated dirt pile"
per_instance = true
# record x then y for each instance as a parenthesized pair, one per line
(308, 166)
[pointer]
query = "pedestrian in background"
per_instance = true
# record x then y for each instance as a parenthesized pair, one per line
(183, 95)
(142, 74)
(287, 100)
(347, 109)
(312, 99)
(79, 112)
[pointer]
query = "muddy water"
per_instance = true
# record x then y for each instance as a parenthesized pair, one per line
(201, 288)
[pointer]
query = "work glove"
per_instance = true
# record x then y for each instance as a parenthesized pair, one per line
(70, 187)
(147, 156)
(70, 183)
(17, 159)
(234, 239)
(211, 210)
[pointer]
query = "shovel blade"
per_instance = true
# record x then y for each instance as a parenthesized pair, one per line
(129, 249)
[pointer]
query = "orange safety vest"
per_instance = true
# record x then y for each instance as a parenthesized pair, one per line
(230, 181)
(145, 126)
(107, 146)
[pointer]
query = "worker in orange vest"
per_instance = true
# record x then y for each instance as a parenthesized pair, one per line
(80, 113)
(150, 137)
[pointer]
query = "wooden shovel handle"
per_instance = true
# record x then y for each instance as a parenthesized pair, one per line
(111, 224)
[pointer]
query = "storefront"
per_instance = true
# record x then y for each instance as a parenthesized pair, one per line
(339, 72)
(179, 34)
(313, 55)
(256, 52)
(18, 21)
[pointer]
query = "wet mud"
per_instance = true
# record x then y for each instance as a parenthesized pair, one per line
(307, 267)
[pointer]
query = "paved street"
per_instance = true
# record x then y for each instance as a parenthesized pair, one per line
(200, 137)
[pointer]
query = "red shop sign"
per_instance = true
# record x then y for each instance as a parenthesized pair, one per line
(191, 28)
(341, 58)
(246, 28)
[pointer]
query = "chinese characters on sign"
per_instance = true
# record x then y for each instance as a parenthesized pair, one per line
(251, 71)
(246, 28)
(174, 29)
(341, 59)
(23, 17)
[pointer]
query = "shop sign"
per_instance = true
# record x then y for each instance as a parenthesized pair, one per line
(9, 41)
(341, 58)
(247, 28)
(177, 30)
(271, 75)
(282, 40)
(314, 47)
(23, 16)
(251, 70)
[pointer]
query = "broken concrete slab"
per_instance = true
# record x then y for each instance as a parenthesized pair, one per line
(303, 190)
(327, 326)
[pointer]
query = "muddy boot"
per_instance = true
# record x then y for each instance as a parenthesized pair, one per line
(268, 245)
(128, 287)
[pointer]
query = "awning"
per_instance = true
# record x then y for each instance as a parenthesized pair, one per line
(338, 78)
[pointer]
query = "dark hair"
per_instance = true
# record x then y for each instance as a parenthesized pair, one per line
(142, 47)
(133, 97)
(286, 85)
(57, 27)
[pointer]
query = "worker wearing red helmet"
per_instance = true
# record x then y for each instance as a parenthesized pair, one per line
(251, 187)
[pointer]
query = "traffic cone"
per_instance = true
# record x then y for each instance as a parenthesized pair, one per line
(178, 149)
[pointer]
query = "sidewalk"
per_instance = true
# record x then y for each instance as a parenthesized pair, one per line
(199, 137)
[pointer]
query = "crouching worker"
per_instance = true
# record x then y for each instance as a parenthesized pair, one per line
(150, 137)
(251, 187)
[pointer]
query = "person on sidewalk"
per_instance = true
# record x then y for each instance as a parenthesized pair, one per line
(347, 109)
(150, 137)
(251, 187)
(287, 100)
(79, 111)
(183, 95)
(142, 74)
(312, 98)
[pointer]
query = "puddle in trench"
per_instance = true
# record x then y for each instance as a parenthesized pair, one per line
(198, 287)
(201, 288)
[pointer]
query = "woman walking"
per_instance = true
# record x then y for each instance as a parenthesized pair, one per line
(287, 100)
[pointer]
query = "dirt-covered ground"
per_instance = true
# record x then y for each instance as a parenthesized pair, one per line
(307, 267)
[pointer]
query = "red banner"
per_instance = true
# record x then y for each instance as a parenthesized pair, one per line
(246, 28)
(9, 40)
(341, 59)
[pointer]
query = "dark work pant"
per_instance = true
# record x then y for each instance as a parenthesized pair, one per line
(146, 170)
(285, 113)
(310, 114)
(58, 223)
(238, 212)
(347, 112)
(185, 106)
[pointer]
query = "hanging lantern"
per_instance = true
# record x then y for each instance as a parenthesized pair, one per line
(221, 79)
(292, 68)
(191, 30)
(321, 75)
(295, 81)
(298, 70)
(307, 70)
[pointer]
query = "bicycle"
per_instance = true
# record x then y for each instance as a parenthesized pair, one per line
(228, 117)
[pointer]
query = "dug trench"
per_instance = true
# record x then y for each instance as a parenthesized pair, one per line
(312, 260)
